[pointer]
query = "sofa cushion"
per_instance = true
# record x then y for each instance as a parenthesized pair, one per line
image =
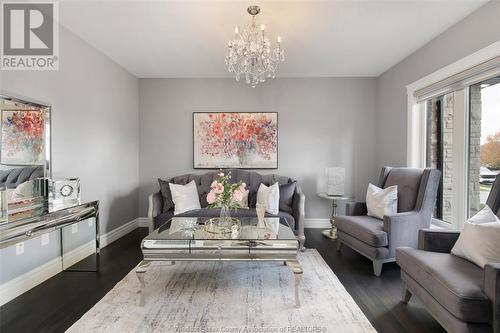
(185, 197)
(408, 182)
(251, 178)
(214, 212)
(454, 282)
(168, 204)
(286, 196)
(368, 250)
(365, 228)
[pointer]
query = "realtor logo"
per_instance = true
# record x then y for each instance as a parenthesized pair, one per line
(30, 35)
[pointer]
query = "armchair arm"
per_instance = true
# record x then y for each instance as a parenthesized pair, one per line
(437, 240)
(356, 208)
(298, 212)
(155, 204)
(491, 288)
(402, 230)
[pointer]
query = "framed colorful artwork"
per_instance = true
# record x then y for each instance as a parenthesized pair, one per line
(241, 140)
(22, 137)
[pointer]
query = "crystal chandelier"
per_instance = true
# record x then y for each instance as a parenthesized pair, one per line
(250, 54)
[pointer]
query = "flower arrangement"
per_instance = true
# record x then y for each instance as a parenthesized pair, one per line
(224, 194)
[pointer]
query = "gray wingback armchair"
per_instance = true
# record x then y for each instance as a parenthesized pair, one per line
(461, 296)
(378, 239)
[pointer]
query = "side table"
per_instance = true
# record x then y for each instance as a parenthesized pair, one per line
(332, 232)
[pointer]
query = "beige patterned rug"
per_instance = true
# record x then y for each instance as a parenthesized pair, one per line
(228, 297)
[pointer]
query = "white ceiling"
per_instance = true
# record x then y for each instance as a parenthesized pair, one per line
(320, 38)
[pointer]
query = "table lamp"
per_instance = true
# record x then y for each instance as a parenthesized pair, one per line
(335, 180)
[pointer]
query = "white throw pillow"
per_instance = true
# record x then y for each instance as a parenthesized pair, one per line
(380, 202)
(485, 215)
(185, 197)
(269, 196)
(244, 200)
(479, 241)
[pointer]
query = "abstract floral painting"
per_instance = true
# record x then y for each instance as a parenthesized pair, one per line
(235, 140)
(22, 137)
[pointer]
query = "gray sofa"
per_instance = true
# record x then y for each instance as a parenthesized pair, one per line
(378, 239)
(461, 296)
(160, 211)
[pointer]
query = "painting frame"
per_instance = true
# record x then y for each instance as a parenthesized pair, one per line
(4, 156)
(272, 165)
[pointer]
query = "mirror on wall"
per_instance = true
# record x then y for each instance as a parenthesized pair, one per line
(24, 149)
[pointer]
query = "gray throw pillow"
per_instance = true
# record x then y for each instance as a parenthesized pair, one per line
(168, 204)
(286, 196)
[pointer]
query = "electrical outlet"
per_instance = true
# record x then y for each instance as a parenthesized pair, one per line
(45, 239)
(19, 248)
(74, 228)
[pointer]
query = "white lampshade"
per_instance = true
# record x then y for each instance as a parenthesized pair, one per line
(335, 180)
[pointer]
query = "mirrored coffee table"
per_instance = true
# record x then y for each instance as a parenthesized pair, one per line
(187, 239)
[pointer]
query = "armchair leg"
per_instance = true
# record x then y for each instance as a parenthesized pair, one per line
(406, 296)
(377, 267)
(302, 241)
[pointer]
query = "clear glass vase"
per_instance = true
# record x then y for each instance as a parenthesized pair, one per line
(225, 215)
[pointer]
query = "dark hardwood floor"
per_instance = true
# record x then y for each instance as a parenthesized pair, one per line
(56, 304)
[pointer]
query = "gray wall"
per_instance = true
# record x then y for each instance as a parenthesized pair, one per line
(95, 136)
(322, 122)
(473, 33)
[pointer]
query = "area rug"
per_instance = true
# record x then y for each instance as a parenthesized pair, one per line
(228, 297)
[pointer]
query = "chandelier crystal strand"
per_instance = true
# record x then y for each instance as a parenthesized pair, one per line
(250, 55)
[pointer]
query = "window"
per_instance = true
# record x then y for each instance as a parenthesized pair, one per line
(462, 139)
(445, 150)
(484, 141)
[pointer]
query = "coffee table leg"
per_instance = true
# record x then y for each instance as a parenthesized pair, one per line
(297, 274)
(140, 272)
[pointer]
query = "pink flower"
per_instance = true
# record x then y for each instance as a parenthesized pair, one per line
(211, 197)
(242, 187)
(221, 174)
(218, 189)
(237, 195)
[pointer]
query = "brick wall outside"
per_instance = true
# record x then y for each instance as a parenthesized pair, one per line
(474, 148)
(448, 102)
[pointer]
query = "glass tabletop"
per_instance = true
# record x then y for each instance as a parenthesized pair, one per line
(186, 229)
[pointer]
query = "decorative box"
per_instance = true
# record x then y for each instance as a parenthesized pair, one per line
(62, 190)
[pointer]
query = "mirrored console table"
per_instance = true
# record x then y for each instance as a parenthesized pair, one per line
(48, 218)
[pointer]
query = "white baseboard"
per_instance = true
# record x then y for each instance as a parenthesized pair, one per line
(119, 232)
(19, 285)
(317, 223)
(144, 222)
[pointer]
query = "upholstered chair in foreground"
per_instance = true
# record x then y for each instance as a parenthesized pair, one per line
(378, 239)
(461, 296)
